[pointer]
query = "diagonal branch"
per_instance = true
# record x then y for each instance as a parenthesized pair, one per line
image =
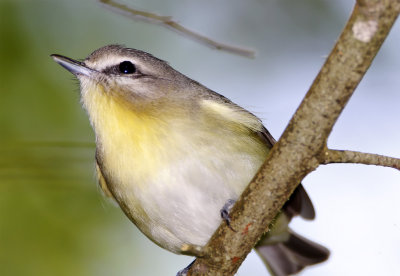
(296, 153)
(346, 156)
(167, 21)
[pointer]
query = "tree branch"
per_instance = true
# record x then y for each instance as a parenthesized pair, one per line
(167, 21)
(346, 156)
(304, 140)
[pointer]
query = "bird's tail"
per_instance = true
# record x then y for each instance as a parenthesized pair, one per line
(292, 255)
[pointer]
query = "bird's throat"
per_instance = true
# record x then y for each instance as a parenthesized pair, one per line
(130, 143)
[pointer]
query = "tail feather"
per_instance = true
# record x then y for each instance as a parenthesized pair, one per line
(291, 256)
(285, 252)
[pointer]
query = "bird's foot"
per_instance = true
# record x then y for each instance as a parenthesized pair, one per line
(225, 212)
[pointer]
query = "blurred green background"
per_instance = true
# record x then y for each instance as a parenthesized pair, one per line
(53, 218)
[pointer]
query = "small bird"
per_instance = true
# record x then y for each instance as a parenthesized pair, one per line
(172, 153)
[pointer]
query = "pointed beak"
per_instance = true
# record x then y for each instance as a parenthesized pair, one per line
(74, 66)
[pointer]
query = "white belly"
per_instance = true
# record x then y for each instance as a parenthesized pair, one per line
(180, 201)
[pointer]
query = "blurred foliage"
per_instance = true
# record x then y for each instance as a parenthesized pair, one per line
(52, 217)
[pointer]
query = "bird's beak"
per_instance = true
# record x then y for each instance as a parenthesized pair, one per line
(74, 66)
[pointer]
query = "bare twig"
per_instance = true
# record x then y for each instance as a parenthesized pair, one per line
(347, 156)
(167, 21)
(297, 152)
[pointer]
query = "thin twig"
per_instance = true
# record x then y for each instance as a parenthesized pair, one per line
(347, 156)
(167, 21)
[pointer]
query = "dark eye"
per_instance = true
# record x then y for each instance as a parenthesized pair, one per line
(127, 67)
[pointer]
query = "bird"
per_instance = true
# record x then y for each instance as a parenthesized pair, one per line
(172, 153)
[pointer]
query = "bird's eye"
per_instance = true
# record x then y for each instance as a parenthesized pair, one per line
(127, 67)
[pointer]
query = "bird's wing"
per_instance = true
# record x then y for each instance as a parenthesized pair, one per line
(102, 182)
(299, 203)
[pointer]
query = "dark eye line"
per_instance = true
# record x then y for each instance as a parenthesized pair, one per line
(115, 70)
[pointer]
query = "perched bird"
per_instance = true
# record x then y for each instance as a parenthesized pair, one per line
(171, 152)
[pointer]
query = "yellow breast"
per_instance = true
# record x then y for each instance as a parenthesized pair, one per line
(129, 141)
